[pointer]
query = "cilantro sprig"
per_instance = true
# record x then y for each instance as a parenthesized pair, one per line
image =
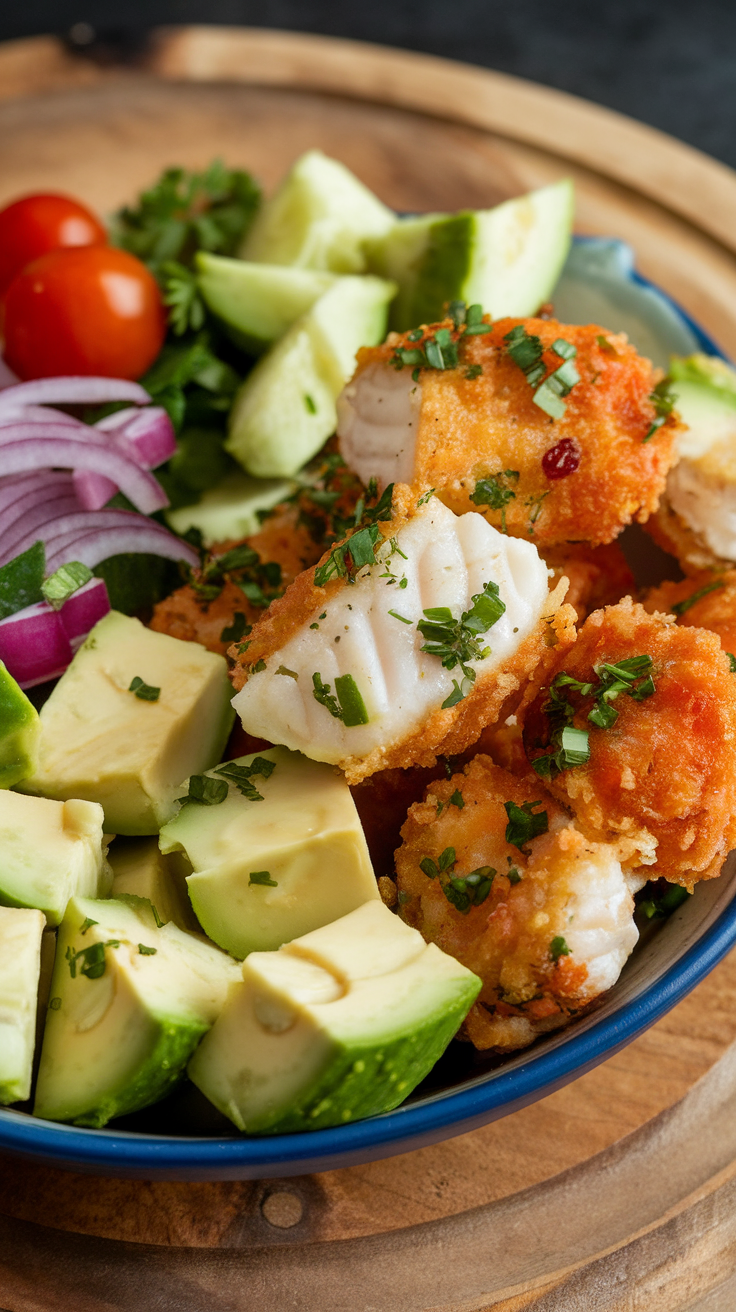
(345, 560)
(524, 823)
(496, 491)
(462, 891)
(457, 641)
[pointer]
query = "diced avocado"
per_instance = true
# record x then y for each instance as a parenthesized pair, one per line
(258, 301)
(101, 741)
(268, 870)
(318, 219)
(705, 388)
(140, 869)
(507, 259)
(340, 1024)
(230, 510)
(20, 965)
(129, 1003)
(19, 731)
(285, 409)
(50, 851)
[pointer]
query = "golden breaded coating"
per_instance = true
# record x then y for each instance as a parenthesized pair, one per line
(661, 780)
(598, 576)
(479, 433)
(705, 601)
(545, 920)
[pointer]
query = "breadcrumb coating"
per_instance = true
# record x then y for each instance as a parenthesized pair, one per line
(708, 601)
(661, 781)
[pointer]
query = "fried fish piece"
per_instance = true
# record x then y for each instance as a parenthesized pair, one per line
(493, 870)
(402, 644)
(660, 780)
(705, 601)
(597, 576)
(475, 434)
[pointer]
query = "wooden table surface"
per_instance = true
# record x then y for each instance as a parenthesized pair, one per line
(619, 1191)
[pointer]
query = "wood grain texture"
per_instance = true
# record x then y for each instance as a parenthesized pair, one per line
(618, 1192)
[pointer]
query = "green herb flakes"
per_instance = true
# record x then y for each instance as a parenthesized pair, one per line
(86, 924)
(67, 580)
(527, 351)
(146, 951)
(92, 959)
(145, 692)
(663, 400)
(731, 661)
(457, 642)
(262, 877)
(403, 618)
(239, 628)
(309, 404)
(496, 492)
(524, 825)
(680, 607)
(242, 775)
(558, 948)
(205, 791)
(657, 908)
(290, 674)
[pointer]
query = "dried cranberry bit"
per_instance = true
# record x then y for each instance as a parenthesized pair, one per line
(562, 459)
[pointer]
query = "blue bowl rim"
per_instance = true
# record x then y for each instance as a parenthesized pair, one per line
(412, 1124)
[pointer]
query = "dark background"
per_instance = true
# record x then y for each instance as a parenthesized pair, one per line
(671, 63)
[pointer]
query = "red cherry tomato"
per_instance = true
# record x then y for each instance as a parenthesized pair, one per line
(34, 225)
(94, 310)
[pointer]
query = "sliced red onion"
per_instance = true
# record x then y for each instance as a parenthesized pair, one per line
(140, 487)
(93, 491)
(34, 645)
(83, 609)
(99, 544)
(70, 390)
(38, 414)
(26, 522)
(149, 435)
(16, 485)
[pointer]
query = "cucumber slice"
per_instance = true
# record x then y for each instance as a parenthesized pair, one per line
(285, 410)
(258, 301)
(318, 219)
(507, 259)
(20, 966)
(230, 510)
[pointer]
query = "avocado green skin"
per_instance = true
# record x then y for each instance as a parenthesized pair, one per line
(156, 1076)
(19, 732)
(362, 1080)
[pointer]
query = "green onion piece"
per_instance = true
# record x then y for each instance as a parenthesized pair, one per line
(549, 401)
(262, 877)
(575, 746)
(291, 674)
(352, 705)
(67, 580)
(565, 350)
(309, 404)
(396, 616)
(457, 800)
(144, 691)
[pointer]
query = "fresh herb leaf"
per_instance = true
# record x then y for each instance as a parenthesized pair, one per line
(513, 874)
(146, 951)
(135, 901)
(241, 776)
(524, 824)
(495, 492)
(403, 618)
(473, 371)
(205, 791)
(67, 580)
(145, 692)
(731, 661)
(527, 351)
(262, 877)
(667, 902)
(290, 674)
(92, 959)
(426, 496)
(457, 800)
(456, 642)
(352, 706)
(309, 404)
(237, 630)
(180, 293)
(558, 948)
(86, 924)
(680, 607)
(323, 695)
(663, 399)
(21, 580)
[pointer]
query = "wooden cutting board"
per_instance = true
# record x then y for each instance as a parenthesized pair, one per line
(617, 1193)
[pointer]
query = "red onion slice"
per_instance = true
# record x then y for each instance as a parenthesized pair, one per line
(34, 645)
(18, 484)
(83, 609)
(93, 491)
(140, 487)
(99, 544)
(148, 435)
(38, 414)
(70, 390)
(31, 522)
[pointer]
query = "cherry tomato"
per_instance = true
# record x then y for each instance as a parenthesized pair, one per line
(94, 310)
(34, 225)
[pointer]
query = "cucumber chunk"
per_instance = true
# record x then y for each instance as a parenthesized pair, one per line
(19, 732)
(129, 1002)
(230, 510)
(285, 410)
(20, 966)
(507, 259)
(318, 219)
(258, 301)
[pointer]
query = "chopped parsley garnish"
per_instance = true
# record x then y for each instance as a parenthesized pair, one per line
(495, 492)
(403, 618)
(663, 905)
(524, 824)
(146, 951)
(92, 958)
(558, 948)
(259, 580)
(473, 371)
(290, 674)
(347, 706)
(433, 869)
(456, 642)
(527, 351)
(135, 901)
(86, 924)
(344, 561)
(241, 776)
(513, 874)
(441, 349)
(663, 401)
(461, 891)
(144, 691)
(731, 661)
(309, 404)
(630, 676)
(67, 580)
(680, 607)
(457, 800)
(237, 630)
(205, 791)
(606, 346)
(262, 877)
(426, 496)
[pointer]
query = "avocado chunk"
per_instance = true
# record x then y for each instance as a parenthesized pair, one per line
(231, 509)
(268, 870)
(507, 259)
(20, 966)
(129, 1003)
(258, 301)
(19, 732)
(340, 1024)
(140, 869)
(318, 219)
(285, 409)
(705, 390)
(101, 741)
(50, 851)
